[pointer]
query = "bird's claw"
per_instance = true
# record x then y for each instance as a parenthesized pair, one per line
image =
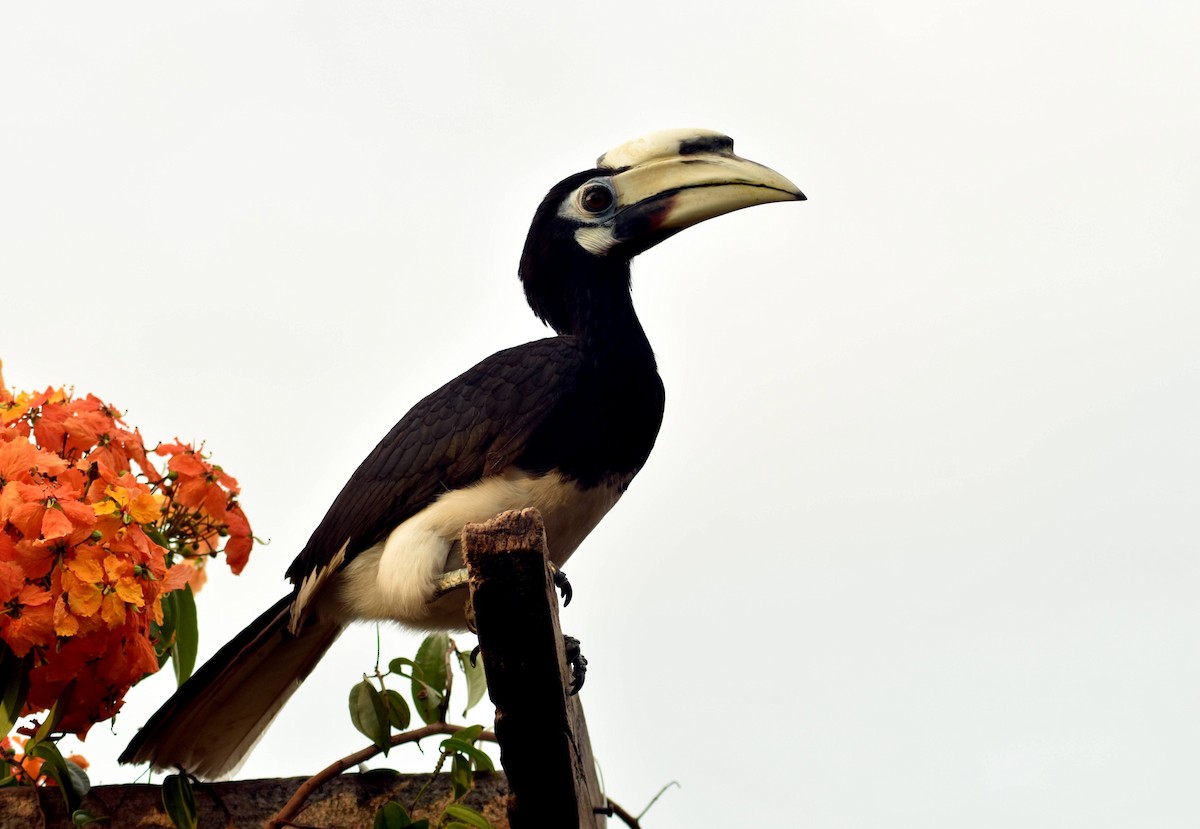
(474, 655)
(577, 662)
(447, 582)
(564, 586)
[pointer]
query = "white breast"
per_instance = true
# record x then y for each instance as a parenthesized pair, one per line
(395, 579)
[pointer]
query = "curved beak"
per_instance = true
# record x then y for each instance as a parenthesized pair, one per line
(671, 181)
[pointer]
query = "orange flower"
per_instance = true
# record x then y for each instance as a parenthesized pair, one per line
(83, 581)
(142, 507)
(36, 558)
(237, 549)
(92, 536)
(96, 583)
(125, 590)
(12, 579)
(69, 428)
(12, 574)
(30, 620)
(118, 447)
(45, 510)
(20, 460)
(12, 411)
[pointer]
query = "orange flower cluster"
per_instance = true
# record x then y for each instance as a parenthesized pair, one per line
(92, 538)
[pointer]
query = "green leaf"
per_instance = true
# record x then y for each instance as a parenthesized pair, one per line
(369, 714)
(460, 776)
(179, 800)
(55, 766)
(187, 634)
(54, 717)
(467, 815)
(429, 692)
(476, 680)
(391, 815)
(428, 701)
(79, 778)
(15, 673)
(381, 776)
(399, 714)
(156, 536)
(469, 734)
(164, 635)
(398, 664)
(82, 817)
(481, 760)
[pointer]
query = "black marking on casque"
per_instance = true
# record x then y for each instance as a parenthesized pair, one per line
(706, 144)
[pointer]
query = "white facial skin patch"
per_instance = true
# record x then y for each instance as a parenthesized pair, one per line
(597, 240)
(596, 235)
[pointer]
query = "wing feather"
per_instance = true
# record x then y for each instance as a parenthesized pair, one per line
(472, 427)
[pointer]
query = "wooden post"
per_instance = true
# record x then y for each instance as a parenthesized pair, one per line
(544, 745)
(348, 801)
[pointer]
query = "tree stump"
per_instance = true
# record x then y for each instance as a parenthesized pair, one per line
(544, 744)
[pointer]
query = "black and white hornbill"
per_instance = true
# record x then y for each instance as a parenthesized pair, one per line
(561, 424)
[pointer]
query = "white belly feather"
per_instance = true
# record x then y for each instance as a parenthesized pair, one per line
(395, 579)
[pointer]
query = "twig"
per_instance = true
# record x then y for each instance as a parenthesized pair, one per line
(628, 819)
(292, 808)
(444, 708)
(654, 799)
(436, 771)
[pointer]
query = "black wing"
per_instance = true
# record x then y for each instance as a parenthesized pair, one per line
(473, 426)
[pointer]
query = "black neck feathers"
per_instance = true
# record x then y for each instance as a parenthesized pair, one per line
(576, 292)
(604, 426)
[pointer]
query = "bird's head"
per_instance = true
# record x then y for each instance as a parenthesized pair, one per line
(591, 224)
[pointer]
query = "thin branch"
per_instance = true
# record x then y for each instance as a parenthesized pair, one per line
(654, 799)
(444, 708)
(628, 819)
(292, 808)
(437, 769)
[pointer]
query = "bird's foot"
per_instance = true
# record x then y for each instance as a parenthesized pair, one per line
(577, 663)
(564, 586)
(449, 582)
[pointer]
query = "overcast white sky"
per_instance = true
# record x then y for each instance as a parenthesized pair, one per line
(918, 543)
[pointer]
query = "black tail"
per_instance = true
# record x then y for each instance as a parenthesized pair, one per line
(217, 716)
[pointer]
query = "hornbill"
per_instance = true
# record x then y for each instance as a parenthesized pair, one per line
(561, 424)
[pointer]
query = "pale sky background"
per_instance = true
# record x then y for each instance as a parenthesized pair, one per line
(918, 543)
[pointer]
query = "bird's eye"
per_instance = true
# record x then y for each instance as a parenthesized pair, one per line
(596, 198)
